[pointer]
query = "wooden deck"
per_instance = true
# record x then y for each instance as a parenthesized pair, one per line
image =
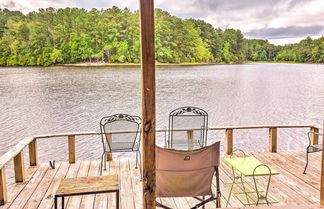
(291, 187)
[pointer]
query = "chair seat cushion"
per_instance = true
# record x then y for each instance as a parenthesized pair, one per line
(186, 144)
(115, 146)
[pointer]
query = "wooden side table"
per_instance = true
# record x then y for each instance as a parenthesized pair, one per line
(87, 185)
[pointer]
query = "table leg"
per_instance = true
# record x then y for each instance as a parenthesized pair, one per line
(244, 190)
(117, 199)
(229, 195)
(55, 202)
(62, 202)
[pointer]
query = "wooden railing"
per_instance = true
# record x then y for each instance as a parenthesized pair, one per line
(16, 153)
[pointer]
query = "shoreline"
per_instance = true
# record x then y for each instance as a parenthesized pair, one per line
(284, 62)
(157, 64)
(172, 64)
(132, 64)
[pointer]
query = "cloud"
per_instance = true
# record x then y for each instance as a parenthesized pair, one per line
(267, 19)
(131, 4)
(8, 4)
(287, 32)
(12, 5)
(26, 6)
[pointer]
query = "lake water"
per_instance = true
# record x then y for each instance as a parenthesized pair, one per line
(59, 99)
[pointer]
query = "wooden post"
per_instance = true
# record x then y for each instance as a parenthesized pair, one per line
(109, 154)
(33, 158)
(322, 175)
(229, 141)
(3, 187)
(148, 102)
(190, 139)
(273, 139)
(19, 167)
(314, 137)
(71, 149)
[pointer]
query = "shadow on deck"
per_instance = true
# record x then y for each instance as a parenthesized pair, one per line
(290, 187)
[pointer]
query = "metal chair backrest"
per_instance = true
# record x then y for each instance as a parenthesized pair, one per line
(120, 132)
(188, 118)
(186, 173)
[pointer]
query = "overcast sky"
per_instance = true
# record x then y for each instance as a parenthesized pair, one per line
(279, 21)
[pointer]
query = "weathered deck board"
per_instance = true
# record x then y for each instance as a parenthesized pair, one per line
(14, 190)
(43, 186)
(29, 189)
(75, 201)
(291, 187)
(47, 201)
(88, 200)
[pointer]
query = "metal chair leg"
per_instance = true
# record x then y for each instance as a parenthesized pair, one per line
(203, 206)
(55, 202)
(140, 164)
(101, 164)
(306, 163)
(218, 200)
(105, 161)
(136, 165)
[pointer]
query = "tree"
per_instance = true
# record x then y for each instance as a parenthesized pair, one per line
(70, 35)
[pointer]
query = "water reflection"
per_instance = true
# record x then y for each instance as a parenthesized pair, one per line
(57, 99)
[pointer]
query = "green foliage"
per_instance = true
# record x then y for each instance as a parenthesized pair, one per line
(71, 35)
(308, 50)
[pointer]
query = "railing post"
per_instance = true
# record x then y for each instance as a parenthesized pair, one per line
(190, 139)
(3, 187)
(71, 149)
(19, 167)
(314, 137)
(229, 141)
(148, 102)
(33, 158)
(273, 139)
(322, 175)
(109, 154)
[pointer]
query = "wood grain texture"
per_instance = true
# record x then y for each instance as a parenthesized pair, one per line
(71, 143)
(29, 190)
(290, 187)
(14, 151)
(19, 167)
(322, 175)
(273, 133)
(33, 156)
(3, 187)
(229, 141)
(148, 102)
(91, 133)
(109, 138)
(190, 136)
(314, 137)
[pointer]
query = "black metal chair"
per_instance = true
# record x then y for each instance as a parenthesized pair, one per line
(121, 133)
(312, 147)
(187, 128)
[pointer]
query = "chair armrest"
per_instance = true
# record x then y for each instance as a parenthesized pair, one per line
(315, 133)
(312, 133)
